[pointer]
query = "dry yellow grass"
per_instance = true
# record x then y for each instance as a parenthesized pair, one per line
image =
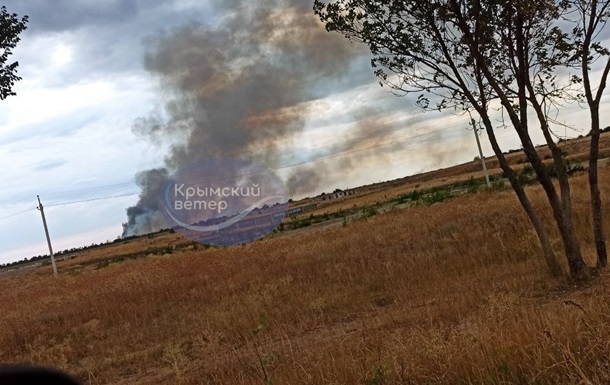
(453, 293)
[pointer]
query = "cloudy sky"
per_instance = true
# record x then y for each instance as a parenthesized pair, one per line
(114, 88)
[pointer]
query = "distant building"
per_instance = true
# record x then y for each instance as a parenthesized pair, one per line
(339, 194)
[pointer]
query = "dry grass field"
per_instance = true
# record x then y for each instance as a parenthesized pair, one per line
(452, 293)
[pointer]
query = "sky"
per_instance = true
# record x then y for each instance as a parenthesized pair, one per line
(113, 91)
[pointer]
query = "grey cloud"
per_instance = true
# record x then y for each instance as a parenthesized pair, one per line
(106, 36)
(62, 15)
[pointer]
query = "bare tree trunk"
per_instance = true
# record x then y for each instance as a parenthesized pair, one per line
(596, 201)
(481, 105)
(553, 265)
(558, 161)
(562, 176)
(593, 14)
(561, 211)
(578, 268)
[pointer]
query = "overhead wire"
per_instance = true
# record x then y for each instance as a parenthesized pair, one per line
(92, 199)
(353, 140)
(18, 213)
(89, 188)
(330, 156)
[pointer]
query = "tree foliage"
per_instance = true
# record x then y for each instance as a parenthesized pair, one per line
(10, 29)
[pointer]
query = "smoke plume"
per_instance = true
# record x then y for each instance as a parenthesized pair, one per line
(236, 89)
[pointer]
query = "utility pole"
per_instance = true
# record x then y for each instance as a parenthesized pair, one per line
(476, 135)
(46, 231)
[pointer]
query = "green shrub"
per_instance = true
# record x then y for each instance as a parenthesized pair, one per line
(368, 212)
(415, 195)
(102, 264)
(498, 185)
(472, 186)
(571, 168)
(437, 196)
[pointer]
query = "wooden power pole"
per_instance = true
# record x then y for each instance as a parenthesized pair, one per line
(476, 135)
(46, 231)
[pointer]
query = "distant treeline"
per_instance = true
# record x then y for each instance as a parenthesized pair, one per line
(42, 258)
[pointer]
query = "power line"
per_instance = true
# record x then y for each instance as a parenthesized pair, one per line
(19, 213)
(70, 203)
(91, 188)
(353, 140)
(357, 150)
(343, 153)
(307, 161)
(93, 199)
(338, 154)
(74, 191)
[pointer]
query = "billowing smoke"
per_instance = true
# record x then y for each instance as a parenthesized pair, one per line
(306, 179)
(146, 215)
(237, 89)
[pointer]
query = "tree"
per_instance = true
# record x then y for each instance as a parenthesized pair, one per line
(530, 50)
(468, 55)
(10, 28)
(592, 15)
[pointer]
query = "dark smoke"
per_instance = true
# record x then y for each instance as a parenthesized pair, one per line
(237, 89)
(374, 136)
(306, 179)
(145, 215)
